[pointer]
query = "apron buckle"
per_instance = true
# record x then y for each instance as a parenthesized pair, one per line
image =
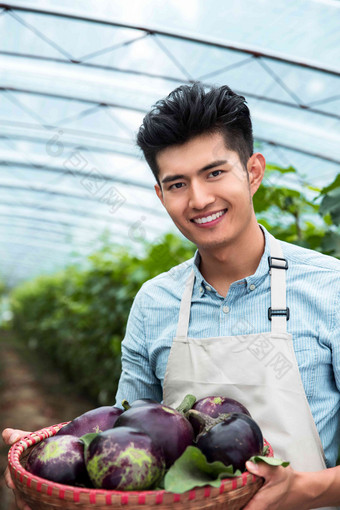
(277, 266)
(277, 312)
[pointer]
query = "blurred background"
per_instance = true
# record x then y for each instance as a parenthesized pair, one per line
(80, 225)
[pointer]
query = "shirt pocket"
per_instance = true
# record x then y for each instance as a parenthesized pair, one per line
(307, 363)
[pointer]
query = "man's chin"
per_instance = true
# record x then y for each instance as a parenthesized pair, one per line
(205, 244)
(214, 244)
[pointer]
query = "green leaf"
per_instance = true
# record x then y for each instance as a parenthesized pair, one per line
(333, 185)
(289, 169)
(265, 450)
(331, 244)
(272, 461)
(313, 188)
(88, 438)
(192, 469)
(331, 204)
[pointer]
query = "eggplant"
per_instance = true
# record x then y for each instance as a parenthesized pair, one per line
(214, 406)
(231, 438)
(167, 427)
(59, 459)
(95, 420)
(124, 459)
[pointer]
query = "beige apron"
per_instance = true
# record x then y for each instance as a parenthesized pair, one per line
(259, 370)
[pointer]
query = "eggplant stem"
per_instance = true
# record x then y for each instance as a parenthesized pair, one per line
(126, 405)
(202, 418)
(206, 422)
(186, 404)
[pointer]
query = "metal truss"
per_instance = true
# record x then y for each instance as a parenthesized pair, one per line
(67, 224)
(41, 129)
(74, 213)
(151, 31)
(63, 170)
(53, 191)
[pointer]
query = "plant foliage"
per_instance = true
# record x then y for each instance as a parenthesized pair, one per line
(78, 316)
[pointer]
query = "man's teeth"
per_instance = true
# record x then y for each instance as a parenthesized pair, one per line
(209, 218)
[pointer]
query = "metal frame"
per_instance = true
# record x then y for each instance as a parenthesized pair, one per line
(120, 145)
(9, 6)
(74, 213)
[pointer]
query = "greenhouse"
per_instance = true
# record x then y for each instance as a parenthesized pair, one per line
(76, 83)
(83, 231)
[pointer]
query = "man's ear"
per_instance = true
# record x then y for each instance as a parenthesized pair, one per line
(256, 166)
(159, 193)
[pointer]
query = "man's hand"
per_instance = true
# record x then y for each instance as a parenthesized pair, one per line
(282, 489)
(11, 436)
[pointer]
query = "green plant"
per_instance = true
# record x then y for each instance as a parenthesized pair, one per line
(78, 316)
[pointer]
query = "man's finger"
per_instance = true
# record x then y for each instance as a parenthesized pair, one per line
(8, 479)
(21, 503)
(261, 469)
(11, 436)
(6, 435)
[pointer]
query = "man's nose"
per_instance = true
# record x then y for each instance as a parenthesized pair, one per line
(200, 196)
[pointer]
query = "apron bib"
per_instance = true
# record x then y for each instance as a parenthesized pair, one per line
(259, 370)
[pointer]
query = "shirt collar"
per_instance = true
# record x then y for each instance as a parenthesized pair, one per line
(252, 282)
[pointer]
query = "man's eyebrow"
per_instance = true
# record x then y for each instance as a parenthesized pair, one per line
(171, 178)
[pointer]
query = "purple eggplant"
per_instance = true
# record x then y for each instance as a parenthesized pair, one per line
(233, 439)
(124, 459)
(96, 420)
(60, 459)
(214, 406)
(167, 427)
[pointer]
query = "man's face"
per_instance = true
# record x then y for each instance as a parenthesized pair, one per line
(206, 190)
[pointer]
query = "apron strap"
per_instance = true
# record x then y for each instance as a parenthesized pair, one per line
(184, 311)
(278, 314)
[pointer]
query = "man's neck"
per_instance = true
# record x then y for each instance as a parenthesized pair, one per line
(225, 265)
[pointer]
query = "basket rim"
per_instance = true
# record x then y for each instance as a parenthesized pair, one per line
(23, 476)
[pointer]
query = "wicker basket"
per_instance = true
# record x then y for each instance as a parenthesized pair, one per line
(41, 494)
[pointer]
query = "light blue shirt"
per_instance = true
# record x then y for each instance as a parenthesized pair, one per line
(313, 291)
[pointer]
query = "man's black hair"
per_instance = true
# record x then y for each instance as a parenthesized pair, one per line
(192, 110)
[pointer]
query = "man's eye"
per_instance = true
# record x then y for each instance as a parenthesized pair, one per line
(177, 185)
(215, 173)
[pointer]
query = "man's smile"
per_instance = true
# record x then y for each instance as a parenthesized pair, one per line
(210, 218)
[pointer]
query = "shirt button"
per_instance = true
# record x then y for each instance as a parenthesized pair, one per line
(226, 309)
(252, 287)
(208, 288)
(201, 290)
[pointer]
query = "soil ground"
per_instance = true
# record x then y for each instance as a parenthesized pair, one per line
(33, 395)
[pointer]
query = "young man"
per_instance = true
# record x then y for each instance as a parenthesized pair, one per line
(248, 317)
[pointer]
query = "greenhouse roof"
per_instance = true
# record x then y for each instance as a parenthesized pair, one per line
(77, 78)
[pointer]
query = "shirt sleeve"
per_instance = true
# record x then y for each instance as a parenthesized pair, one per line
(335, 339)
(137, 379)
